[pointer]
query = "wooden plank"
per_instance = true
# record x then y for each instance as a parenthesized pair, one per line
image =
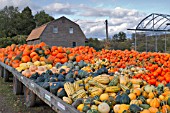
(53, 101)
(1, 71)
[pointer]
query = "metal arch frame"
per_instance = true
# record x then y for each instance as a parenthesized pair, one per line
(163, 16)
(141, 27)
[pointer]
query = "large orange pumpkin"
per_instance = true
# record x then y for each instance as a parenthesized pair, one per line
(25, 59)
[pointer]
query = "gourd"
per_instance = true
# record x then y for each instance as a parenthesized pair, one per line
(118, 98)
(103, 108)
(149, 88)
(79, 94)
(80, 107)
(144, 106)
(114, 81)
(69, 89)
(94, 107)
(134, 108)
(168, 101)
(86, 108)
(95, 91)
(151, 95)
(104, 96)
(132, 96)
(112, 89)
(125, 99)
(102, 79)
(122, 80)
(155, 103)
(67, 100)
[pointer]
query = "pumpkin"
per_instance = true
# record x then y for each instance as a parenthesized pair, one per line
(123, 107)
(161, 97)
(103, 108)
(155, 102)
(132, 96)
(134, 102)
(104, 96)
(27, 73)
(151, 95)
(116, 108)
(153, 110)
(165, 108)
(33, 68)
(145, 111)
(137, 91)
(25, 59)
(145, 94)
(148, 101)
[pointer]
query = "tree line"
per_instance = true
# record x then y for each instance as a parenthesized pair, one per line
(120, 41)
(13, 22)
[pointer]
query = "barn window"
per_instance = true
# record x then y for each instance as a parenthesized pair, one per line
(55, 29)
(71, 30)
(74, 44)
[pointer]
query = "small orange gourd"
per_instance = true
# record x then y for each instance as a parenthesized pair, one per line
(155, 102)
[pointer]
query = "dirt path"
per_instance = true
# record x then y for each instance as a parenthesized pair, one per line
(10, 103)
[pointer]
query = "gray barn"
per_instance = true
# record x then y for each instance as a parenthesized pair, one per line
(60, 32)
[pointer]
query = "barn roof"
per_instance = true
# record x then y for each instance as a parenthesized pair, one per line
(36, 33)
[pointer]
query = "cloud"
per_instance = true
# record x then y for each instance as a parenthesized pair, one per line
(59, 8)
(91, 19)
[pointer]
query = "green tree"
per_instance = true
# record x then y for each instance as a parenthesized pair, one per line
(42, 18)
(8, 18)
(26, 22)
(122, 36)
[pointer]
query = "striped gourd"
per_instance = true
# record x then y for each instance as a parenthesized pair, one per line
(69, 88)
(102, 79)
(112, 89)
(79, 94)
(114, 81)
(123, 87)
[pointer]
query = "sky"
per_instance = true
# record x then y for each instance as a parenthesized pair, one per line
(91, 14)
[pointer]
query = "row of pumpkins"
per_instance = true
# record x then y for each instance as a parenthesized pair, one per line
(156, 63)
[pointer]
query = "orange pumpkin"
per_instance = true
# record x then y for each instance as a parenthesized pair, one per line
(155, 102)
(25, 59)
(153, 110)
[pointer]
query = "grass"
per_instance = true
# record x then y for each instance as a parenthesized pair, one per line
(15, 103)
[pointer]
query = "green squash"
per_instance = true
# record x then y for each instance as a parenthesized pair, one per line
(114, 81)
(144, 106)
(142, 98)
(86, 108)
(61, 93)
(118, 98)
(82, 74)
(168, 101)
(96, 97)
(124, 99)
(134, 108)
(92, 111)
